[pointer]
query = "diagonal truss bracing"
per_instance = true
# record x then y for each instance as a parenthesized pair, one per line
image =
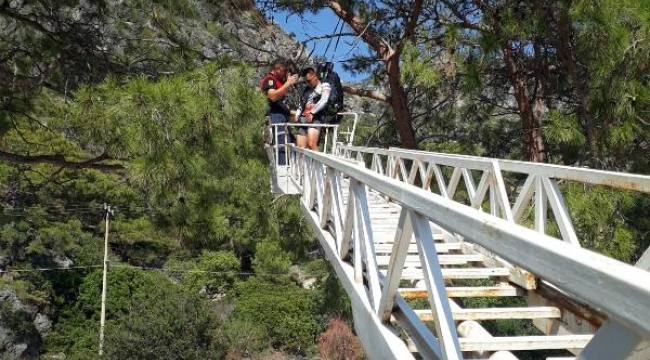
(417, 225)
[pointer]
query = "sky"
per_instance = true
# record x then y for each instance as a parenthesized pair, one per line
(324, 23)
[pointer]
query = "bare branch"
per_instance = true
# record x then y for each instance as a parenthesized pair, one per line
(328, 36)
(371, 94)
(380, 45)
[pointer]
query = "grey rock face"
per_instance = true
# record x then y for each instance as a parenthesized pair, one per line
(42, 323)
(4, 262)
(62, 261)
(20, 328)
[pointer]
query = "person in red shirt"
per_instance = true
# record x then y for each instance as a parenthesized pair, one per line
(275, 86)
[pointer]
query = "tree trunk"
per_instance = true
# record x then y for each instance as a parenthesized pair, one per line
(391, 56)
(532, 132)
(578, 80)
(399, 104)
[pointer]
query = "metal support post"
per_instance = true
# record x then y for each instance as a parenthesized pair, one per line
(107, 213)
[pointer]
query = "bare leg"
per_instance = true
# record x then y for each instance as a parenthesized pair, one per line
(312, 138)
(301, 141)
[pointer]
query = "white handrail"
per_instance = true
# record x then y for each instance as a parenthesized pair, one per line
(582, 273)
(347, 235)
(540, 187)
(618, 180)
(350, 134)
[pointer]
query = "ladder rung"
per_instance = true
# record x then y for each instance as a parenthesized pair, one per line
(413, 249)
(383, 210)
(516, 343)
(464, 291)
(381, 236)
(474, 273)
(463, 273)
(540, 312)
(414, 260)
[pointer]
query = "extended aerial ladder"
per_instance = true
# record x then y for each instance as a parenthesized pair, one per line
(414, 238)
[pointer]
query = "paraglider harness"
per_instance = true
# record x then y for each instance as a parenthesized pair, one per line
(335, 105)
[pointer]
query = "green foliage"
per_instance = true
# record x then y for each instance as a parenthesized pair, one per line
(140, 243)
(247, 336)
(166, 323)
(146, 314)
(329, 296)
(212, 272)
(173, 133)
(611, 41)
(283, 311)
(565, 137)
(271, 260)
(75, 335)
(67, 43)
(415, 69)
(472, 81)
(60, 236)
(600, 216)
(295, 236)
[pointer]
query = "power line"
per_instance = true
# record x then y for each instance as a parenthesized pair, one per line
(144, 268)
(50, 269)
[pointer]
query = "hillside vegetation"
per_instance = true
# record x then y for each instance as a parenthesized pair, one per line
(152, 108)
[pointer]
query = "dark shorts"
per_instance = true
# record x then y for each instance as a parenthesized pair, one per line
(302, 130)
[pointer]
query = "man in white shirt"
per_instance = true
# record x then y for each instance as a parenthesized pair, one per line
(312, 109)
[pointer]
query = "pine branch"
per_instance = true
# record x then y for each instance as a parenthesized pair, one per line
(59, 160)
(464, 19)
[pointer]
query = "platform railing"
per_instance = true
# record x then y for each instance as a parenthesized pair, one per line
(281, 181)
(539, 188)
(346, 235)
(330, 134)
(329, 131)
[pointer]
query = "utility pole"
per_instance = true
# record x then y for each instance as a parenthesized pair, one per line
(107, 213)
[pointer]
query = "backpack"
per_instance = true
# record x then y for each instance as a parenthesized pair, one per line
(335, 103)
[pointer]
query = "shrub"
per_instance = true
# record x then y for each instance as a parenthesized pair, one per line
(338, 342)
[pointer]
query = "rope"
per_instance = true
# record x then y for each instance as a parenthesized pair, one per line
(338, 38)
(329, 42)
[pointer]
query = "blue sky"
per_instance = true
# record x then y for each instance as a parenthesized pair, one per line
(323, 23)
